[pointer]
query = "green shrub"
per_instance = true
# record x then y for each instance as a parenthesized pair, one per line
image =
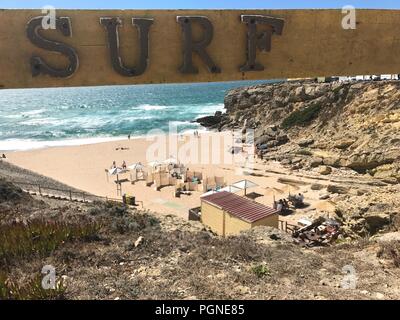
(302, 117)
(261, 270)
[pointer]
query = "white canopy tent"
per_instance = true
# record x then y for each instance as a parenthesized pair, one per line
(136, 166)
(171, 161)
(154, 163)
(244, 185)
(231, 189)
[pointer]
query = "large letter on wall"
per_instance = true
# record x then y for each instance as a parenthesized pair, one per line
(199, 47)
(143, 26)
(262, 41)
(38, 65)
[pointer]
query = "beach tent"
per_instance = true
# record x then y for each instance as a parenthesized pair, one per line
(154, 164)
(232, 189)
(136, 166)
(228, 189)
(171, 161)
(244, 185)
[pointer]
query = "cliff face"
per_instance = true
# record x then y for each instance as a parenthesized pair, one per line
(354, 125)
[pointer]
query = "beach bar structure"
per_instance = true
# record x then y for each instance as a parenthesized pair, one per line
(228, 214)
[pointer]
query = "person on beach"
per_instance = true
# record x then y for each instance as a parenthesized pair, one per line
(114, 165)
(279, 207)
(123, 164)
(129, 136)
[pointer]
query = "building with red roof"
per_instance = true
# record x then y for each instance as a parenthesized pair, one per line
(228, 214)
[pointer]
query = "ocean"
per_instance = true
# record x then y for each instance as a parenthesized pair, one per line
(37, 118)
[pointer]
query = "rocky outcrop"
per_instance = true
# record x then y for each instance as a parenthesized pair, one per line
(352, 125)
(367, 214)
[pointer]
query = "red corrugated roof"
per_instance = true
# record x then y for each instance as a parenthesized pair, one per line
(240, 207)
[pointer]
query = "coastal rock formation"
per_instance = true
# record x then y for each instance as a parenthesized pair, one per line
(342, 125)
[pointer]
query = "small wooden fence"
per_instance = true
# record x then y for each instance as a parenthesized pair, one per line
(63, 194)
(287, 227)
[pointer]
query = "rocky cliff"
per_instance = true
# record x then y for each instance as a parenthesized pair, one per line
(351, 125)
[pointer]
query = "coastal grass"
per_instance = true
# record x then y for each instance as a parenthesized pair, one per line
(302, 117)
(36, 238)
(19, 240)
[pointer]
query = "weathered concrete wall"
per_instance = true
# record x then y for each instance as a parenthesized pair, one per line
(234, 225)
(212, 217)
(313, 43)
(271, 221)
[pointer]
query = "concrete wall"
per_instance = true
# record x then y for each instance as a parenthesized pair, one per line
(313, 43)
(271, 221)
(212, 217)
(233, 225)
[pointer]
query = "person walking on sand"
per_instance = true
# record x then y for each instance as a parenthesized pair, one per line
(123, 165)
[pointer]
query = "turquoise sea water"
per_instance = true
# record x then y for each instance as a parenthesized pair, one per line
(34, 118)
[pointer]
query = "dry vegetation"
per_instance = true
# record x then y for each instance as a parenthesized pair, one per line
(106, 251)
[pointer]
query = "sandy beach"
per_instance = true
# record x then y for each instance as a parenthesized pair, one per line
(83, 167)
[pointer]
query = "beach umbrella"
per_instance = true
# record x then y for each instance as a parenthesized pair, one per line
(116, 172)
(244, 185)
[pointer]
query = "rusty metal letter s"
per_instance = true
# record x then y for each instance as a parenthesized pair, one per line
(38, 65)
(261, 41)
(199, 47)
(143, 26)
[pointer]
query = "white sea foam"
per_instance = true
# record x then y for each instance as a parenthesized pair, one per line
(21, 144)
(40, 121)
(149, 107)
(33, 112)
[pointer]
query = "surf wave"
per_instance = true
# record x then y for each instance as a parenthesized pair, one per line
(38, 118)
(149, 107)
(28, 144)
